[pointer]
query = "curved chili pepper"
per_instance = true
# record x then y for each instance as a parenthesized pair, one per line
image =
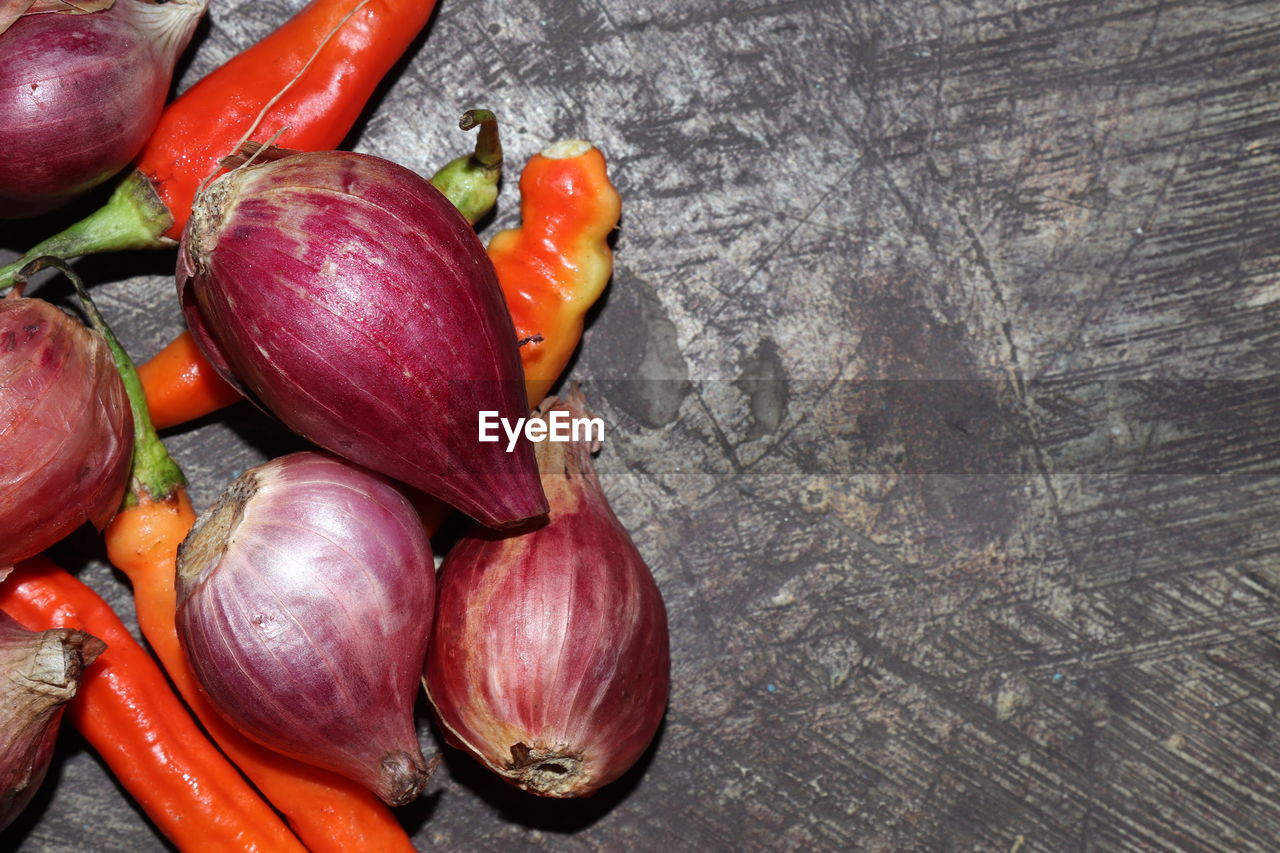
(327, 811)
(130, 716)
(554, 267)
(307, 81)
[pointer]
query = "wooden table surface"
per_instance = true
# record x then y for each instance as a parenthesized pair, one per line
(939, 369)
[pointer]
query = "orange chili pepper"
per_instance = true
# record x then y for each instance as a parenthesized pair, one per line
(128, 713)
(181, 385)
(554, 267)
(311, 78)
(327, 811)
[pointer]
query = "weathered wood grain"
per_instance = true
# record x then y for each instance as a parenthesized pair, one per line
(940, 374)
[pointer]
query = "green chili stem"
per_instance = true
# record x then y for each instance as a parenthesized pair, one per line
(488, 151)
(133, 218)
(471, 181)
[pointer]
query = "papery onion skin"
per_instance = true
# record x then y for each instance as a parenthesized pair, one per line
(549, 655)
(40, 671)
(80, 94)
(66, 432)
(305, 604)
(356, 304)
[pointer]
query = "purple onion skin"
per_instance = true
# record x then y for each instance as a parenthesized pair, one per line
(66, 432)
(357, 305)
(80, 94)
(305, 604)
(549, 655)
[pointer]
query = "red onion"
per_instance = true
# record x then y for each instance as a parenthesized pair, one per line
(548, 659)
(39, 673)
(80, 94)
(66, 433)
(305, 597)
(356, 303)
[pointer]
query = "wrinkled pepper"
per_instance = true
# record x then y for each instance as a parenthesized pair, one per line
(130, 716)
(307, 81)
(327, 811)
(554, 267)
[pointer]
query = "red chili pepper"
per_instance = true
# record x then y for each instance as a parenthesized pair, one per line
(129, 714)
(307, 81)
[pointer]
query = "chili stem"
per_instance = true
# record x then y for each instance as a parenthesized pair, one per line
(132, 218)
(471, 181)
(488, 151)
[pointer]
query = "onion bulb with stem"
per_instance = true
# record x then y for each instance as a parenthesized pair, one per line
(347, 296)
(40, 671)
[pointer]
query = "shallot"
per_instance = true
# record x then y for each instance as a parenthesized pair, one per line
(351, 299)
(549, 655)
(66, 432)
(39, 673)
(80, 94)
(305, 602)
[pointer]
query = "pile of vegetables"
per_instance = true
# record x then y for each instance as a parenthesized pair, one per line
(293, 623)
